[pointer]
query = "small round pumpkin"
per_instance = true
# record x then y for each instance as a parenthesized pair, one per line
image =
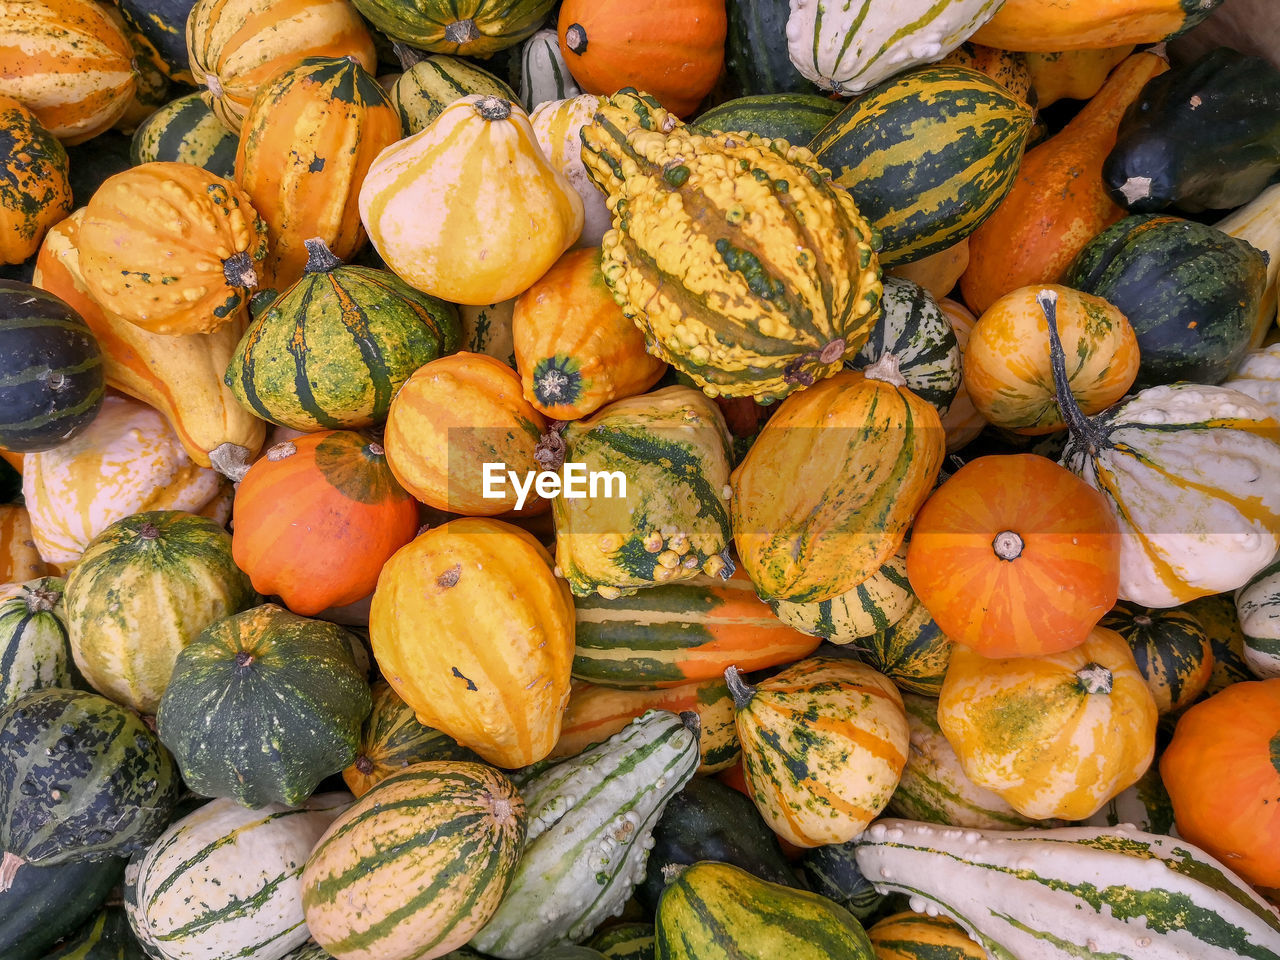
(317, 517)
(1171, 648)
(35, 190)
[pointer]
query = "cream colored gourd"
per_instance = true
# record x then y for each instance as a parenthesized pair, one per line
(558, 127)
(1258, 222)
(1259, 376)
(469, 210)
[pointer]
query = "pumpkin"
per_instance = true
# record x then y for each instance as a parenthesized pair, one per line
(509, 218)
(35, 191)
(1223, 779)
(962, 423)
(1072, 74)
(136, 222)
(1007, 68)
(450, 419)
(1007, 369)
(672, 51)
(558, 126)
(1171, 648)
(1056, 735)
(423, 91)
(1088, 24)
(307, 142)
(464, 28)
(68, 62)
(502, 697)
(19, 559)
(869, 450)
(237, 46)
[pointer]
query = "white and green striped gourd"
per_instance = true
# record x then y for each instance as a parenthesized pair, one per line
(1258, 606)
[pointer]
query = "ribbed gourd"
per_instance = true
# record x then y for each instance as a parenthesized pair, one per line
(707, 264)
(34, 652)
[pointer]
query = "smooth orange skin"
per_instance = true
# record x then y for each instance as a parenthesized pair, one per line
(1051, 597)
(1049, 25)
(1222, 771)
(1072, 74)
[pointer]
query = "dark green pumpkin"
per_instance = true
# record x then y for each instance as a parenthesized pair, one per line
(34, 651)
(626, 941)
(423, 91)
(332, 350)
(164, 24)
(81, 778)
(51, 377)
(1171, 649)
(44, 904)
(913, 653)
(756, 50)
(469, 28)
(263, 705)
(793, 117)
(1190, 291)
(106, 937)
(185, 130)
(832, 870)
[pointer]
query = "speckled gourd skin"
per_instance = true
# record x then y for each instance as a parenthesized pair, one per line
(747, 268)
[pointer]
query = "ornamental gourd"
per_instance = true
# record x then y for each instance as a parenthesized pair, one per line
(1171, 648)
(36, 192)
(962, 422)
(1258, 606)
(558, 126)
(510, 214)
(34, 652)
(1259, 376)
(19, 559)
(423, 91)
(1089, 24)
(463, 28)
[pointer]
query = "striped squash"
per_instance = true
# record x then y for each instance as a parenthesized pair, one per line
(962, 422)
(487, 329)
(875, 604)
(34, 652)
(19, 559)
(681, 633)
(1171, 649)
(225, 880)
(755, 57)
(106, 937)
(913, 329)
(596, 713)
(68, 62)
(543, 73)
(238, 46)
(824, 743)
(626, 941)
(185, 130)
(715, 911)
(927, 156)
(832, 871)
(151, 83)
(1145, 805)
(1052, 894)
(1258, 606)
(1221, 621)
(591, 821)
(934, 787)
(422, 92)
(35, 185)
(163, 23)
(465, 28)
(916, 936)
(558, 126)
(1007, 68)
(793, 117)
(417, 865)
(913, 653)
(308, 139)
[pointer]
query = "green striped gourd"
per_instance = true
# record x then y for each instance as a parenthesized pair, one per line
(591, 820)
(927, 156)
(1145, 805)
(755, 55)
(934, 787)
(470, 28)
(1074, 892)
(1221, 621)
(106, 937)
(568, 952)
(914, 329)
(164, 575)
(832, 871)
(185, 130)
(913, 653)
(42, 905)
(873, 605)
(1258, 606)
(224, 881)
(487, 330)
(626, 941)
(715, 911)
(80, 778)
(673, 449)
(34, 652)
(915, 936)
(793, 117)
(1171, 649)
(543, 73)
(423, 91)
(333, 349)
(417, 865)
(310, 951)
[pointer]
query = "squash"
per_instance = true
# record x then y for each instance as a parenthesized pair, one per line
(1258, 223)
(823, 745)
(1007, 68)
(162, 575)
(624, 941)
(913, 936)
(105, 937)
(1007, 368)
(487, 329)
(1058, 202)
(36, 189)
(874, 605)
(673, 52)
(558, 126)
(1072, 74)
(417, 865)
(816, 540)
(51, 379)
(793, 117)
(34, 652)
(137, 220)
(317, 517)
(1171, 648)
(462, 28)
(544, 75)
(510, 217)
(45, 904)
(19, 559)
(263, 705)
(1221, 774)
(913, 653)
(1089, 24)
(1258, 375)
(128, 461)
(755, 58)
(178, 375)
(422, 92)
(151, 85)
(575, 350)
(1144, 805)
(502, 698)
(163, 26)
(1221, 621)
(453, 416)
(69, 63)
(237, 46)
(1258, 607)
(962, 423)
(939, 272)
(832, 872)
(1056, 735)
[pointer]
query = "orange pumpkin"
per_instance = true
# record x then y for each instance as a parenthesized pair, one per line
(671, 49)
(1222, 771)
(452, 417)
(574, 348)
(1015, 556)
(317, 517)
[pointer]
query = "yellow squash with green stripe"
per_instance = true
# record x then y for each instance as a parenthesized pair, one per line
(875, 604)
(1171, 648)
(918, 936)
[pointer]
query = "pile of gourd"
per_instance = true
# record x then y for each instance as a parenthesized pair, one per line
(919, 365)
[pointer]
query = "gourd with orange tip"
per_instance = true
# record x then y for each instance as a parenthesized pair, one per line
(472, 629)
(1049, 25)
(1056, 735)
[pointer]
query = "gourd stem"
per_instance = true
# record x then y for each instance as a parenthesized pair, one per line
(462, 31)
(375, 449)
(550, 451)
(833, 351)
(886, 369)
(148, 531)
(364, 764)
(1007, 545)
(493, 108)
(1094, 678)
(320, 259)
(9, 869)
(692, 723)
(42, 599)
(406, 54)
(1079, 425)
(238, 271)
(740, 690)
(575, 38)
(231, 460)
(1142, 620)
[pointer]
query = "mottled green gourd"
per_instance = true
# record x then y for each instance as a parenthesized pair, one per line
(746, 267)
(185, 130)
